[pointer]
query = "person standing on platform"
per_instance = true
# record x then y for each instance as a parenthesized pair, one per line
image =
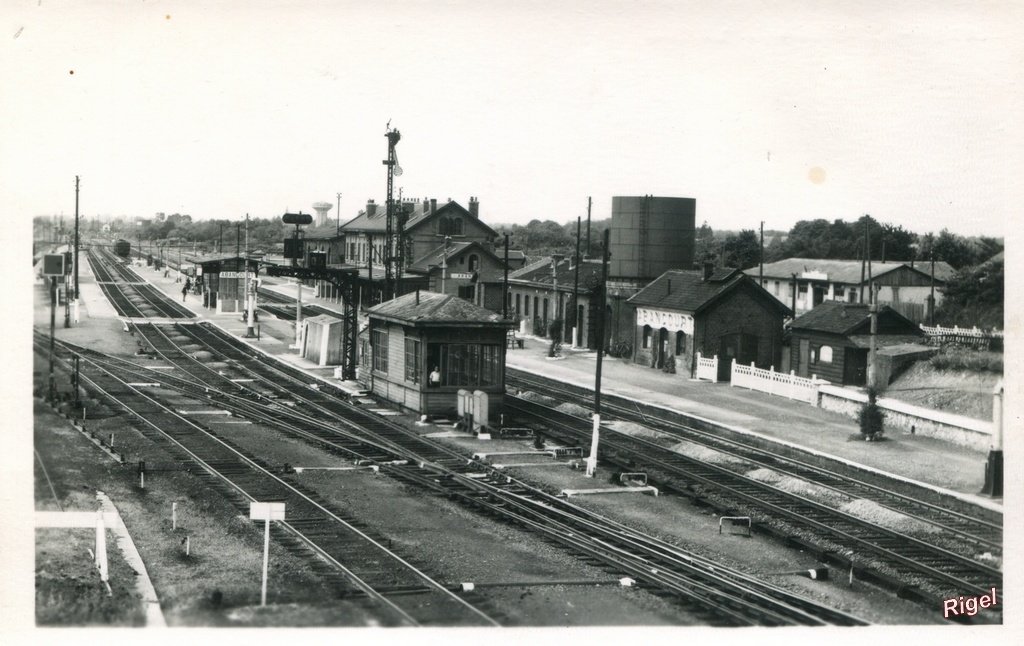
(435, 378)
(184, 292)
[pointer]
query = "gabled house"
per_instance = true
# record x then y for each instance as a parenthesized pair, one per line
(467, 269)
(426, 227)
(831, 342)
(721, 313)
(904, 286)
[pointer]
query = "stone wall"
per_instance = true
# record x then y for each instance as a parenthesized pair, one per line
(965, 431)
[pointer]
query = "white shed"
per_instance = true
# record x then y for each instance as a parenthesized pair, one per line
(322, 340)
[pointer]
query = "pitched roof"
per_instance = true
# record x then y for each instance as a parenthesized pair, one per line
(378, 222)
(322, 232)
(430, 308)
(838, 317)
(433, 257)
(687, 291)
(539, 273)
(846, 271)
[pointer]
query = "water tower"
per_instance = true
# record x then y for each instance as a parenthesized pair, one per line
(321, 209)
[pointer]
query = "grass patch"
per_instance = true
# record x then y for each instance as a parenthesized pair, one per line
(68, 588)
(223, 571)
(955, 358)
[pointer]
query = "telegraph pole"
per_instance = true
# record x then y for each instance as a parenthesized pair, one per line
(339, 215)
(576, 290)
(931, 295)
(873, 313)
(588, 226)
(592, 460)
(76, 247)
(504, 311)
(863, 260)
(250, 294)
(760, 270)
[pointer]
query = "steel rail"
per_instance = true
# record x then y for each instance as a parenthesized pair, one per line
(551, 504)
(311, 402)
(798, 468)
(716, 477)
(214, 471)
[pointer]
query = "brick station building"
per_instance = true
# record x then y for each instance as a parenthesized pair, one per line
(723, 313)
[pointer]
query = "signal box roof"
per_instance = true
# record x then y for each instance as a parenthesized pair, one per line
(430, 309)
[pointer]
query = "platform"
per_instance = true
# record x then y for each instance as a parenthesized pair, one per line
(936, 464)
(941, 466)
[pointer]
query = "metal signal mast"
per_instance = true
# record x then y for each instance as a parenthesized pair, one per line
(395, 227)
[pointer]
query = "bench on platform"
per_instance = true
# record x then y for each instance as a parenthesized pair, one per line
(512, 341)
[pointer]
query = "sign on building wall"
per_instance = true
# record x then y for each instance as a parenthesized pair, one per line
(236, 274)
(671, 321)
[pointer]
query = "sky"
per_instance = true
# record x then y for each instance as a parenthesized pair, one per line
(761, 111)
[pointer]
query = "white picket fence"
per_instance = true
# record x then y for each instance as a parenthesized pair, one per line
(940, 330)
(775, 383)
(707, 368)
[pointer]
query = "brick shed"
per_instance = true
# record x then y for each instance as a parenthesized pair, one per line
(716, 313)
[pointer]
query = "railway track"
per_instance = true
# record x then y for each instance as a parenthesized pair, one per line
(262, 390)
(283, 307)
(914, 567)
(973, 532)
(352, 560)
(130, 294)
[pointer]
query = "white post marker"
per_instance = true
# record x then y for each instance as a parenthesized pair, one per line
(266, 511)
(592, 460)
(101, 547)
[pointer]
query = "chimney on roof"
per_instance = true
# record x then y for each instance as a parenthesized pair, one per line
(371, 208)
(709, 269)
(433, 205)
(474, 207)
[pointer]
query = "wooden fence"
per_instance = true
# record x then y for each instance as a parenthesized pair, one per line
(972, 337)
(707, 368)
(775, 383)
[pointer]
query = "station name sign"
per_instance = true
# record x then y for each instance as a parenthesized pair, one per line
(266, 511)
(672, 321)
(463, 276)
(237, 274)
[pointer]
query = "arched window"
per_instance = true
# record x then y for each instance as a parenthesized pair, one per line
(647, 336)
(680, 342)
(825, 355)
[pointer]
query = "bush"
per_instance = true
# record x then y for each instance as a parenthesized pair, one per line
(621, 350)
(670, 365)
(871, 418)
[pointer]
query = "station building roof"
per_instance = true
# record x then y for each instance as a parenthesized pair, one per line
(837, 317)
(430, 309)
(690, 291)
(538, 273)
(846, 271)
(378, 221)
